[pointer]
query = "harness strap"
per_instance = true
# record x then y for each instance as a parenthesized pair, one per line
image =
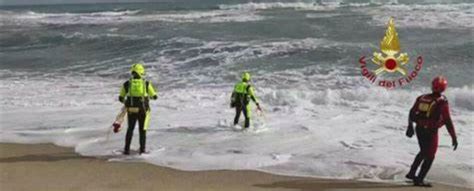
(428, 113)
(433, 103)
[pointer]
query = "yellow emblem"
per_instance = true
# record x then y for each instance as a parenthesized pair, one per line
(390, 47)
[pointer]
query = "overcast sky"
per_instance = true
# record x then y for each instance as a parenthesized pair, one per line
(36, 2)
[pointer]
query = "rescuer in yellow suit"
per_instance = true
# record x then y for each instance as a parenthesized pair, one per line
(136, 94)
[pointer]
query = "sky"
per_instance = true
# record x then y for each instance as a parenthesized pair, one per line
(36, 2)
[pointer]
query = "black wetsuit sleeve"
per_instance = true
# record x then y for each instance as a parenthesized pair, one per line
(411, 116)
(254, 99)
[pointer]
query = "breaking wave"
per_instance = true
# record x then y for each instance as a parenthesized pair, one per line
(96, 18)
(425, 16)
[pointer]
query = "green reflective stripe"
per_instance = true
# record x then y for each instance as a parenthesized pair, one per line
(147, 120)
(249, 111)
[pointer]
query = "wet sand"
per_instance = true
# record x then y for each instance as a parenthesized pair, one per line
(48, 167)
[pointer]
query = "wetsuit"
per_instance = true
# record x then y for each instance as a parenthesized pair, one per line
(241, 96)
(132, 119)
(137, 92)
(427, 124)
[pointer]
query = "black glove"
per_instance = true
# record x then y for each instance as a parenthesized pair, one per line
(455, 144)
(154, 97)
(410, 131)
(121, 99)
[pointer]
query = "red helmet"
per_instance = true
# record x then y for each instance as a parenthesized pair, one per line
(439, 84)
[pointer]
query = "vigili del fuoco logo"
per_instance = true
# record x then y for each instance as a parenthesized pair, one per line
(390, 64)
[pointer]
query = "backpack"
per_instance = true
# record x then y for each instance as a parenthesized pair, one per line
(142, 102)
(240, 99)
(427, 108)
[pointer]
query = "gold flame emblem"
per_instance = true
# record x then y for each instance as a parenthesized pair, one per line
(390, 47)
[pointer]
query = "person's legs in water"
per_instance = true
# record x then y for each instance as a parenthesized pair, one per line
(431, 146)
(425, 167)
(238, 109)
(141, 127)
(246, 111)
(428, 142)
(132, 119)
(414, 166)
(420, 135)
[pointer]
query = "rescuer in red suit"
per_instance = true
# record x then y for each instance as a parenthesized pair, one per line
(430, 112)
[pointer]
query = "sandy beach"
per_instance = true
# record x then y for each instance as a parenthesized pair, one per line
(49, 167)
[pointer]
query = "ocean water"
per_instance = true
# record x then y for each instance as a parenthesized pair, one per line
(61, 68)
